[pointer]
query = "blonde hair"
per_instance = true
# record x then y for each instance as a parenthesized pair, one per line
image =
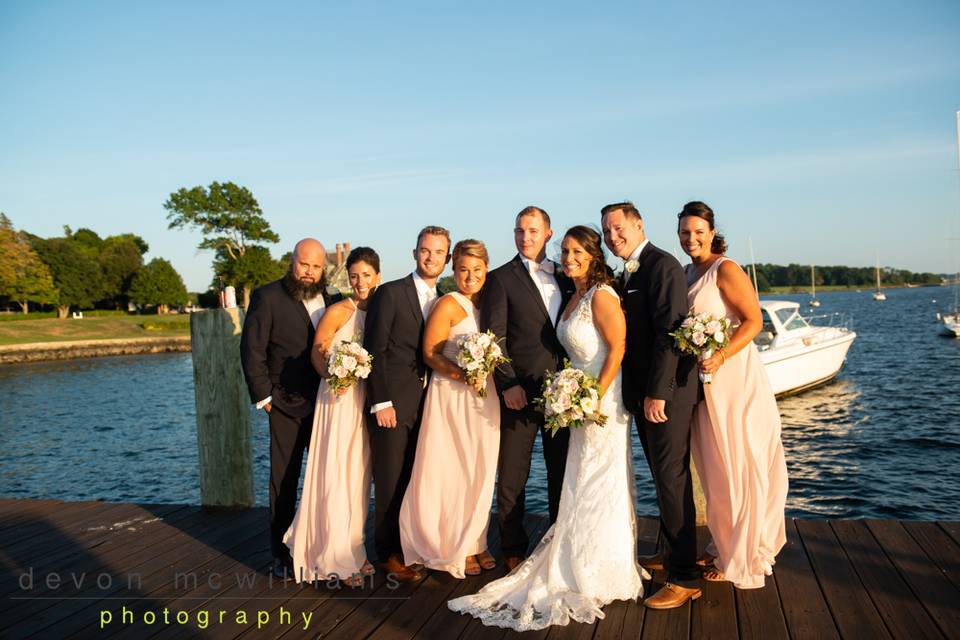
(472, 248)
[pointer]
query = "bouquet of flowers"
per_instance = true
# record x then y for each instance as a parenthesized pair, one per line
(478, 355)
(701, 334)
(570, 398)
(348, 363)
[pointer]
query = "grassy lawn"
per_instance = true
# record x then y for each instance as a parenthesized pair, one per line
(97, 328)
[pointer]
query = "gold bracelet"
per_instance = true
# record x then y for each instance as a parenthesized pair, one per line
(723, 356)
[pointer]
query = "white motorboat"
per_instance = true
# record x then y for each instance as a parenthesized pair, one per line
(799, 355)
(951, 324)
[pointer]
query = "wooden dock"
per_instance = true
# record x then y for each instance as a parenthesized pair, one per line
(97, 569)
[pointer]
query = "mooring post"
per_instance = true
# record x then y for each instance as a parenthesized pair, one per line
(223, 409)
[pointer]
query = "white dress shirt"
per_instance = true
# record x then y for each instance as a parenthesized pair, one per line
(315, 309)
(633, 256)
(546, 284)
(427, 296)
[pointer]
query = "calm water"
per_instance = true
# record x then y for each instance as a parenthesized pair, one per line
(881, 441)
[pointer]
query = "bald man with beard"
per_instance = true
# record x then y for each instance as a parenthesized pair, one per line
(275, 353)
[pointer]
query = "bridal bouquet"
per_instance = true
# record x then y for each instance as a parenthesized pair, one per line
(478, 355)
(701, 334)
(348, 363)
(570, 398)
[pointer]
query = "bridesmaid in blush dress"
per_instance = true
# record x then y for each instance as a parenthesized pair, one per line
(326, 536)
(446, 508)
(736, 430)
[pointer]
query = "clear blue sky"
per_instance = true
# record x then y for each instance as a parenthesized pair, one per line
(826, 131)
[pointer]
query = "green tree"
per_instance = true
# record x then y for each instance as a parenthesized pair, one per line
(446, 284)
(75, 274)
(120, 259)
(229, 217)
(24, 278)
(158, 284)
(86, 240)
(254, 268)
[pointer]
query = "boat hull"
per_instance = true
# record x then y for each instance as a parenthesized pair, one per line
(795, 369)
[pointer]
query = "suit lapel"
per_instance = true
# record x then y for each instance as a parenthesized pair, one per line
(411, 294)
(641, 259)
(520, 271)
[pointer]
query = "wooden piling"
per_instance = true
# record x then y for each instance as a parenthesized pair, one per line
(223, 410)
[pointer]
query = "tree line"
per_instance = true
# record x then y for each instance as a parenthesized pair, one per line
(82, 270)
(798, 276)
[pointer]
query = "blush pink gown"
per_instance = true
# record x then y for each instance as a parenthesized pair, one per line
(446, 509)
(736, 446)
(326, 536)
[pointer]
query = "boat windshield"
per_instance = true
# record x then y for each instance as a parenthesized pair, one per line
(790, 319)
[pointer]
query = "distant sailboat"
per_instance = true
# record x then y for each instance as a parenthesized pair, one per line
(879, 294)
(813, 289)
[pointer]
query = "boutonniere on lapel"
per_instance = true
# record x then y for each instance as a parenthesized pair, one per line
(630, 266)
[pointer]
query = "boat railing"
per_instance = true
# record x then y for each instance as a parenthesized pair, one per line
(834, 320)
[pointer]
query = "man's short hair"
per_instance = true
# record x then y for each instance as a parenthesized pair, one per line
(432, 230)
(628, 208)
(533, 211)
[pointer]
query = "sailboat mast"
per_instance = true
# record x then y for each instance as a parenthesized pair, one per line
(753, 268)
(813, 282)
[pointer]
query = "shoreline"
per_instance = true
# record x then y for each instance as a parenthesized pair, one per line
(73, 349)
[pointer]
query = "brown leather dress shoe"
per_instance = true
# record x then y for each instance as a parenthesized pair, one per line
(651, 563)
(671, 596)
(401, 573)
(512, 562)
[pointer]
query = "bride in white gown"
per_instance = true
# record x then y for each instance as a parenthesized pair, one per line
(588, 558)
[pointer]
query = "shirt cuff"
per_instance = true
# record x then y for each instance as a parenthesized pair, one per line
(381, 405)
(264, 402)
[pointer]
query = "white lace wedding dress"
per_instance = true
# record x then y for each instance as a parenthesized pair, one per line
(588, 558)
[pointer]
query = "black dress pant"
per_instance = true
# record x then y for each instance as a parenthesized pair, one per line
(518, 430)
(289, 439)
(392, 452)
(667, 447)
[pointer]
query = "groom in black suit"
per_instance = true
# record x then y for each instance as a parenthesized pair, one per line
(522, 301)
(660, 389)
(393, 335)
(275, 353)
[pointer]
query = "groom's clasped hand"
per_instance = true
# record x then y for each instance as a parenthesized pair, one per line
(437, 400)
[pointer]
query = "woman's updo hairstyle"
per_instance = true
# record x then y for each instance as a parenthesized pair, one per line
(700, 210)
(364, 254)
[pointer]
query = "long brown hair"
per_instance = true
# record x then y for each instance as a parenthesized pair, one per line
(589, 239)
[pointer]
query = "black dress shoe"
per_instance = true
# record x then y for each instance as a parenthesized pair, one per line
(282, 568)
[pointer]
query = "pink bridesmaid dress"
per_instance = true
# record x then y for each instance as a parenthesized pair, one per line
(446, 509)
(326, 536)
(736, 446)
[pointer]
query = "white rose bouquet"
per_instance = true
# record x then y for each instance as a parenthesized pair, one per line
(701, 334)
(347, 363)
(478, 355)
(570, 398)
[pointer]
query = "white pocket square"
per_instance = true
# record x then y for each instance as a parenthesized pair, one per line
(629, 291)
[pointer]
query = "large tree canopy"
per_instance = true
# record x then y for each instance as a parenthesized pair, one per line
(24, 277)
(228, 215)
(75, 274)
(158, 284)
(120, 259)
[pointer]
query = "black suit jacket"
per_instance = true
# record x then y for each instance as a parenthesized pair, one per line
(275, 350)
(655, 303)
(393, 334)
(513, 309)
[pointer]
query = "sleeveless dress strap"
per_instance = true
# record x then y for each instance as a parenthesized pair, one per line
(463, 301)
